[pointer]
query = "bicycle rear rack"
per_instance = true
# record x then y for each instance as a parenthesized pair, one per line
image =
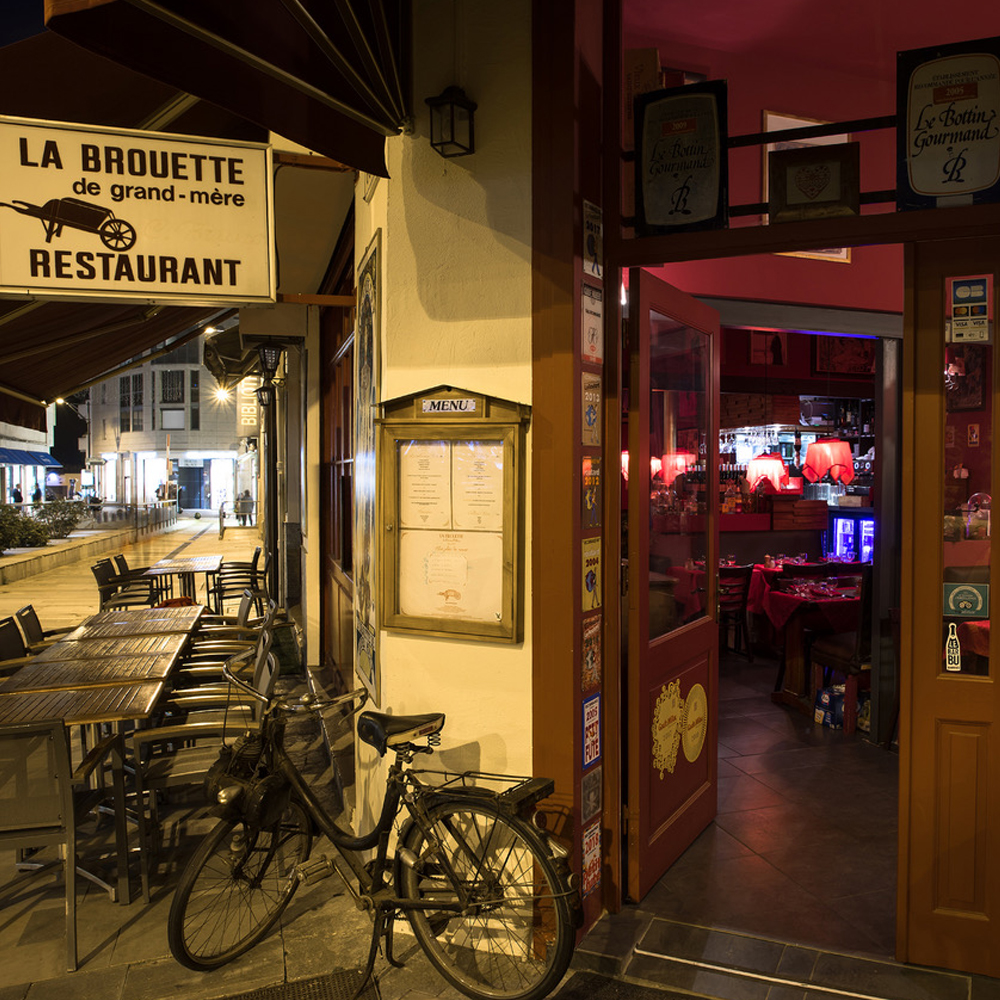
(512, 794)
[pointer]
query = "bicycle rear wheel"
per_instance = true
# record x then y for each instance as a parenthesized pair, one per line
(515, 938)
(235, 887)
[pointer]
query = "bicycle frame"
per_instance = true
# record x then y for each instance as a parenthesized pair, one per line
(371, 878)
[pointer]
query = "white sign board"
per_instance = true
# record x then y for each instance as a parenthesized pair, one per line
(108, 214)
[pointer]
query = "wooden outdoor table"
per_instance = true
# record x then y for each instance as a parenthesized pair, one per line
(186, 568)
(90, 672)
(81, 706)
(172, 643)
(138, 621)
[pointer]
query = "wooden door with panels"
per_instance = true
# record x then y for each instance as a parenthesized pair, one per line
(948, 911)
(672, 700)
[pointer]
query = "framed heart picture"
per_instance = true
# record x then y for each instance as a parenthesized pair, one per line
(815, 182)
(774, 121)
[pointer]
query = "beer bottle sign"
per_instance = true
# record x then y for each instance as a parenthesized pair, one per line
(952, 650)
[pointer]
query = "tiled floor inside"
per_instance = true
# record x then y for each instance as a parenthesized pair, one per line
(804, 845)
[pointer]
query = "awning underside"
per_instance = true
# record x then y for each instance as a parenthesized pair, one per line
(327, 75)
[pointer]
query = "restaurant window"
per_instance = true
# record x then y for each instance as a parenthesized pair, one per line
(125, 403)
(137, 398)
(195, 400)
(172, 387)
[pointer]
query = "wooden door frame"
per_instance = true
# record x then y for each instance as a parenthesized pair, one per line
(931, 863)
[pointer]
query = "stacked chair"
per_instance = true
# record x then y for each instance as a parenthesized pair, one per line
(234, 578)
(181, 751)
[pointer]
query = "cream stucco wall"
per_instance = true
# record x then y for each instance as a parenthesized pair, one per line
(456, 310)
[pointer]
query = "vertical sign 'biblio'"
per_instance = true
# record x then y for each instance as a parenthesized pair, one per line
(681, 173)
(948, 136)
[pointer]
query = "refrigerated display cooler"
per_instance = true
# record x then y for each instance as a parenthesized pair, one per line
(851, 535)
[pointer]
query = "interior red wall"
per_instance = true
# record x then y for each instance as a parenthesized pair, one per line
(873, 280)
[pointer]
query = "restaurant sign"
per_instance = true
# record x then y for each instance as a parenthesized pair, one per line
(681, 159)
(115, 214)
(948, 136)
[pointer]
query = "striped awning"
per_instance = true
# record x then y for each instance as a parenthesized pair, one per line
(15, 456)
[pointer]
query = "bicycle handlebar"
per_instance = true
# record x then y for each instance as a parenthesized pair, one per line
(309, 703)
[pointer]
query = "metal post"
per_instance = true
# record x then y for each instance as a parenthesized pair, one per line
(267, 397)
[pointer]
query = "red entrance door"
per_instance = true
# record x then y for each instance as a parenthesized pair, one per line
(673, 551)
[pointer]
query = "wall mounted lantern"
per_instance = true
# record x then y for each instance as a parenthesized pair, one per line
(269, 355)
(453, 131)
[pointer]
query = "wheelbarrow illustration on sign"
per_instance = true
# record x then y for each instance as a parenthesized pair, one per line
(115, 234)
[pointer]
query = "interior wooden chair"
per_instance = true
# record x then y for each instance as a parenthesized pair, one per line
(43, 800)
(810, 571)
(847, 655)
(734, 589)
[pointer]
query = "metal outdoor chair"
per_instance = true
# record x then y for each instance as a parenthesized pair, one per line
(14, 654)
(133, 576)
(179, 754)
(234, 578)
(115, 592)
(43, 800)
(35, 637)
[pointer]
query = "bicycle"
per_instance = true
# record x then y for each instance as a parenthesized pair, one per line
(488, 894)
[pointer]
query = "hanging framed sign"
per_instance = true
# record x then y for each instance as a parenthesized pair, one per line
(948, 132)
(681, 159)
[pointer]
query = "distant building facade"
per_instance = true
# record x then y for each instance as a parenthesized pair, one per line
(162, 430)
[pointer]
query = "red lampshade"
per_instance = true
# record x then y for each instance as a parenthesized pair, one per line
(829, 455)
(675, 465)
(770, 467)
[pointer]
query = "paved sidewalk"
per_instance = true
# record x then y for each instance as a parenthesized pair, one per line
(123, 949)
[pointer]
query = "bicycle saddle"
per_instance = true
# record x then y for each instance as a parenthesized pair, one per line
(383, 731)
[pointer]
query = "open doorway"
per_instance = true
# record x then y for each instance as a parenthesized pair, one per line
(802, 847)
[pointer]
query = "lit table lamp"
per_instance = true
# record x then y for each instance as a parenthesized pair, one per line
(829, 455)
(770, 467)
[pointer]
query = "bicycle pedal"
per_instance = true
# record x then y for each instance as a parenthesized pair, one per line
(314, 870)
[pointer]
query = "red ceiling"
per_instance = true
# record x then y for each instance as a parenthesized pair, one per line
(859, 37)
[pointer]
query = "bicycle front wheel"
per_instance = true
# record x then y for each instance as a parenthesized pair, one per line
(235, 887)
(504, 929)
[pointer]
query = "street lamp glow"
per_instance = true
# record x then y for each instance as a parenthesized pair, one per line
(221, 395)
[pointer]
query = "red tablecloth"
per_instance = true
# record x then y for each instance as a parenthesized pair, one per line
(838, 614)
(764, 576)
(760, 584)
(974, 637)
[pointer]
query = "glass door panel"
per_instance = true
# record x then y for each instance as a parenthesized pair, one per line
(678, 431)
